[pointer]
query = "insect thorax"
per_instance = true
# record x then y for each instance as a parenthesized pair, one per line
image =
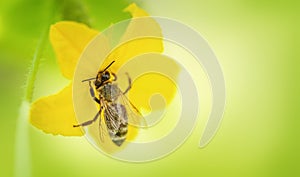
(109, 92)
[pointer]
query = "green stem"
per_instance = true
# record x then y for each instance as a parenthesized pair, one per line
(22, 159)
(22, 147)
(34, 68)
(22, 166)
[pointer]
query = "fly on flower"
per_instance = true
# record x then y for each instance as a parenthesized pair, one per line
(115, 108)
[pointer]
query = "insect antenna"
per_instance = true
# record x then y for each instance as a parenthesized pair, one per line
(102, 71)
(88, 79)
(108, 66)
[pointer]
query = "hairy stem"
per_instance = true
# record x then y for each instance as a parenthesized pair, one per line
(22, 148)
(34, 68)
(22, 158)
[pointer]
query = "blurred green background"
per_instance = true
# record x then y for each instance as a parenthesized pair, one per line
(257, 46)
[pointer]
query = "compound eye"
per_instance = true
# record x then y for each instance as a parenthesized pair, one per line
(105, 76)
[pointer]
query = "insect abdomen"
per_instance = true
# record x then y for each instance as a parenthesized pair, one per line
(116, 122)
(120, 136)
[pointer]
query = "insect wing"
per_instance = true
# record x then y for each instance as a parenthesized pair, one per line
(115, 116)
(102, 128)
(135, 118)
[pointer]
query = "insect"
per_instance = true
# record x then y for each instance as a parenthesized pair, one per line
(114, 106)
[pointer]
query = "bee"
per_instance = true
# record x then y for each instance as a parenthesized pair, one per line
(115, 108)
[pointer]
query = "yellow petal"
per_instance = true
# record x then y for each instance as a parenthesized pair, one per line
(136, 42)
(135, 11)
(55, 114)
(132, 133)
(69, 40)
(129, 48)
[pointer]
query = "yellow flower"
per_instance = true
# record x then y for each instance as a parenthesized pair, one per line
(55, 113)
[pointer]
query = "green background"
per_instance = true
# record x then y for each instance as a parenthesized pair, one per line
(256, 44)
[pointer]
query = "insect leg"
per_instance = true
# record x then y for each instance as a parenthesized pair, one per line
(93, 93)
(90, 121)
(115, 76)
(129, 82)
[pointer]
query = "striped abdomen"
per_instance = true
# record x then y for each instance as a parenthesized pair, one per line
(116, 121)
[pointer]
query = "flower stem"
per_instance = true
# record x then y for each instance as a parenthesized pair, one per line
(22, 159)
(22, 166)
(34, 68)
(22, 147)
